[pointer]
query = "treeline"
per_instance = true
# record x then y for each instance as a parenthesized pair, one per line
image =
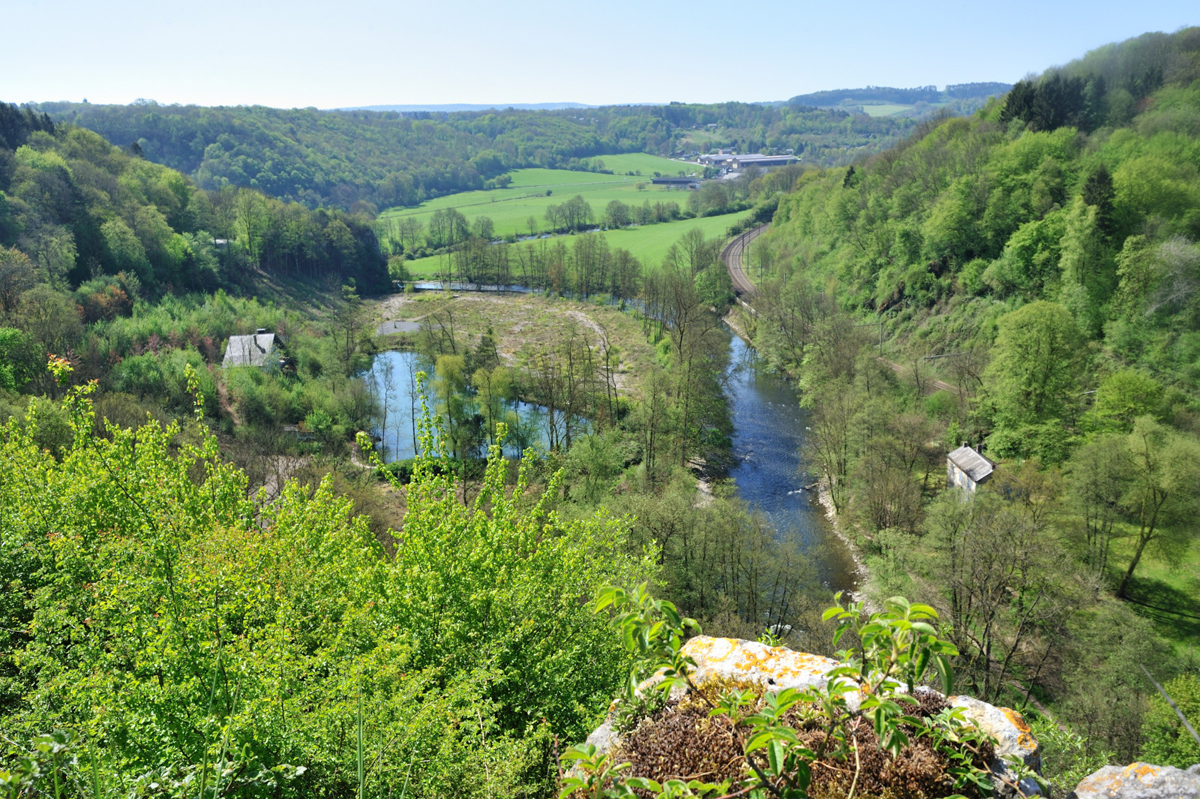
(17, 123)
(584, 266)
(886, 94)
(340, 158)
(1048, 275)
(823, 136)
(1104, 88)
(889, 94)
(449, 228)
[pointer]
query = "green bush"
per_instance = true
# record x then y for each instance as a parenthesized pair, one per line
(184, 634)
(1165, 740)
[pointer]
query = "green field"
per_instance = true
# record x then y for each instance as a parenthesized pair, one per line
(649, 244)
(510, 208)
(884, 109)
(1166, 590)
(643, 162)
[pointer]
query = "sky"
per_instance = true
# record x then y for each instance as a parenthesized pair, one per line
(374, 52)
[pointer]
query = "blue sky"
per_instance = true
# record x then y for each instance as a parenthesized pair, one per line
(367, 52)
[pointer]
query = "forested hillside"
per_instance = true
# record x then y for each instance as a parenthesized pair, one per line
(891, 94)
(387, 159)
(1041, 259)
(1081, 188)
(127, 268)
(79, 209)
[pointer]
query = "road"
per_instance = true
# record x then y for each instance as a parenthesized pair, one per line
(734, 257)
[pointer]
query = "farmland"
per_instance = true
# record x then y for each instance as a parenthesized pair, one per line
(534, 190)
(640, 163)
(884, 109)
(649, 243)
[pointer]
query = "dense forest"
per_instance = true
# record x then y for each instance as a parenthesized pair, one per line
(1040, 258)
(890, 94)
(386, 159)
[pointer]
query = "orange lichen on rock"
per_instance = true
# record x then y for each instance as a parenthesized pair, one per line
(1143, 771)
(1025, 739)
(723, 664)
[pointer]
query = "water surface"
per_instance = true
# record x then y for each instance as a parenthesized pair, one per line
(770, 469)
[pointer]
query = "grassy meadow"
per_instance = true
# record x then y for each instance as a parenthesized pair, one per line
(642, 163)
(510, 208)
(884, 109)
(525, 326)
(1166, 589)
(649, 244)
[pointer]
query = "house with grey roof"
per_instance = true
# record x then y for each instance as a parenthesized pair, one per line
(263, 350)
(967, 469)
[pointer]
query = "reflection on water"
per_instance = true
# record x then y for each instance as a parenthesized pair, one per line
(455, 285)
(768, 444)
(769, 468)
(393, 380)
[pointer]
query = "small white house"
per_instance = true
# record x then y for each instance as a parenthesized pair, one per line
(967, 469)
(264, 350)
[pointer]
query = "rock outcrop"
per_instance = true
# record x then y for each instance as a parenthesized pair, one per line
(731, 663)
(1140, 781)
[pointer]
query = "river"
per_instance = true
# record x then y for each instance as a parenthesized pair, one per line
(769, 441)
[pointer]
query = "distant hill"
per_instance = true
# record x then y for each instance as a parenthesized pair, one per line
(448, 108)
(890, 94)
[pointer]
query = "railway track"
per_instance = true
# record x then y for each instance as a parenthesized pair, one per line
(734, 255)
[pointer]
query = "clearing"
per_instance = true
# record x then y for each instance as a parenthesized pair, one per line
(648, 243)
(525, 325)
(510, 208)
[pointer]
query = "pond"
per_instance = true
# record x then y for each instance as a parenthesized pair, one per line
(393, 379)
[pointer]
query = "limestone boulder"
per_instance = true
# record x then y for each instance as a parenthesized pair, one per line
(1140, 781)
(734, 663)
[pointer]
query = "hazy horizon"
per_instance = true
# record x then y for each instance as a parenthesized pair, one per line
(298, 54)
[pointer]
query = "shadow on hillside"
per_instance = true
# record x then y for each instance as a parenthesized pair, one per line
(1176, 613)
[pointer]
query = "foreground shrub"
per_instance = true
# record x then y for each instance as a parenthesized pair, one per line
(191, 641)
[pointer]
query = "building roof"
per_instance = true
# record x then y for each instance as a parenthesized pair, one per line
(755, 158)
(977, 467)
(255, 350)
(747, 158)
